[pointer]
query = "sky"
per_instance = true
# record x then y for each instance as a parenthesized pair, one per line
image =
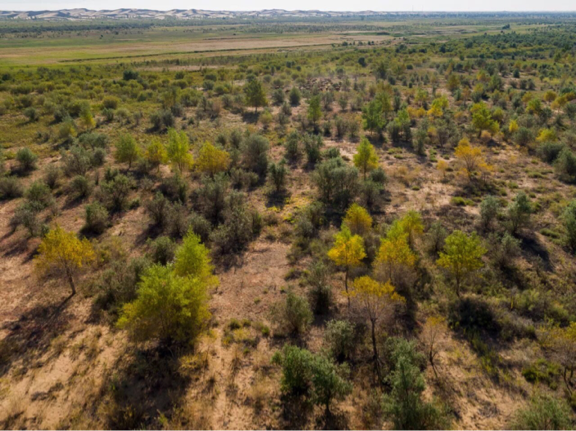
(333, 5)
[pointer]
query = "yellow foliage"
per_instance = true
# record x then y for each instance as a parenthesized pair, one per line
(63, 252)
(513, 126)
(471, 157)
(212, 160)
(358, 220)
(547, 135)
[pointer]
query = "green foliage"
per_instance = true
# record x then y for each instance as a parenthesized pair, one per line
(255, 154)
(96, 216)
(462, 255)
(168, 307)
(519, 212)
(255, 94)
(543, 413)
(293, 315)
(27, 159)
(340, 337)
(127, 150)
(404, 403)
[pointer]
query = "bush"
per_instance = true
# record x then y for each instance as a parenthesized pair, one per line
(337, 183)
(566, 166)
(80, 187)
(314, 376)
(114, 193)
(404, 403)
(340, 338)
(489, 209)
(77, 161)
(157, 209)
(168, 307)
(39, 196)
(10, 188)
(26, 216)
(544, 413)
(96, 216)
(174, 188)
(162, 120)
(320, 292)
(52, 176)
(549, 151)
(255, 154)
(162, 250)
(293, 315)
(27, 159)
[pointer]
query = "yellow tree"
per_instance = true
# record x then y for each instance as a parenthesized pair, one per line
(63, 253)
(366, 158)
(358, 220)
(462, 255)
(156, 153)
(193, 260)
(348, 252)
(395, 255)
(212, 160)
(411, 224)
(375, 300)
(432, 337)
(178, 150)
(470, 157)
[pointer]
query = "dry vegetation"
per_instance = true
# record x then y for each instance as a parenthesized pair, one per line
(294, 239)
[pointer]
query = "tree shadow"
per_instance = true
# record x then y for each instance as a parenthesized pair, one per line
(250, 117)
(277, 199)
(333, 420)
(536, 252)
(30, 337)
(148, 387)
(296, 411)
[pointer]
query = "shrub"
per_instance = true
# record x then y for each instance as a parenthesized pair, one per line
(80, 187)
(114, 193)
(27, 159)
(404, 403)
(293, 315)
(168, 307)
(489, 209)
(163, 250)
(340, 338)
(255, 154)
(77, 161)
(96, 216)
(549, 151)
(544, 413)
(174, 188)
(10, 188)
(39, 196)
(157, 209)
(26, 216)
(52, 176)
(320, 291)
(519, 212)
(566, 165)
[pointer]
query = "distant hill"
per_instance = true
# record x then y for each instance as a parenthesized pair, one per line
(87, 14)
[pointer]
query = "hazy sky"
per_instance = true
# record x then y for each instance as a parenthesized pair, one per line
(338, 5)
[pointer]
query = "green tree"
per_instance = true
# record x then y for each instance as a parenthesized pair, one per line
(255, 94)
(404, 403)
(569, 221)
(193, 260)
(178, 150)
(127, 150)
(328, 382)
(519, 212)
(462, 255)
(168, 307)
(314, 110)
(373, 118)
(366, 158)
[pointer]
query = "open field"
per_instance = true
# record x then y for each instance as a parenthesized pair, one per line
(288, 223)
